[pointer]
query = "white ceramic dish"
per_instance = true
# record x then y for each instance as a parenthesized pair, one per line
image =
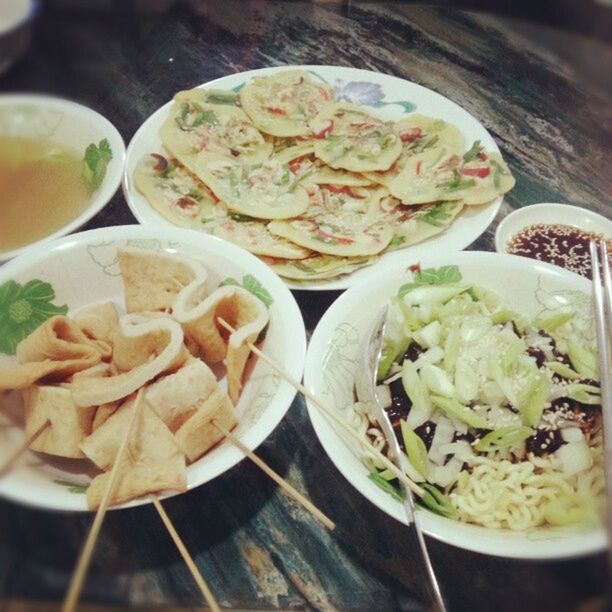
(390, 98)
(69, 124)
(528, 287)
(547, 212)
(82, 269)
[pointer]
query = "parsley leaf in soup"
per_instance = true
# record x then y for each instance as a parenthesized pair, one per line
(95, 161)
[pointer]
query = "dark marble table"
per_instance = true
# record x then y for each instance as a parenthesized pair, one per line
(545, 97)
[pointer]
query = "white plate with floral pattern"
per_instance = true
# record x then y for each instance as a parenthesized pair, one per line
(526, 286)
(389, 98)
(82, 269)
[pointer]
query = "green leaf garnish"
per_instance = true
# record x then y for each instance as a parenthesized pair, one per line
(503, 437)
(438, 214)
(240, 218)
(473, 152)
(436, 501)
(386, 486)
(23, 309)
(229, 98)
(432, 276)
(95, 161)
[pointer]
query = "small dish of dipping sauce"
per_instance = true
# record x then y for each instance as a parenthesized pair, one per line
(559, 234)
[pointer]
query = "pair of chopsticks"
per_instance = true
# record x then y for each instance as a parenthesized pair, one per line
(602, 298)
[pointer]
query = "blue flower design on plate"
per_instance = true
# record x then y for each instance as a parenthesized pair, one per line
(366, 93)
(358, 92)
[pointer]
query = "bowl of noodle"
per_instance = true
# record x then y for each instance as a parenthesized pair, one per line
(488, 374)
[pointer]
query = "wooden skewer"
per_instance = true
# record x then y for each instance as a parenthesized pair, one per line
(197, 576)
(24, 447)
(76, 582)
(332, 415)
(277, 478)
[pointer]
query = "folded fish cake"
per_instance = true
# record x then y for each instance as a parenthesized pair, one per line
(176, 397)
(282, 104)
(152, 280)
(153, 461)
(198, 313)
(53, 352)
(70, 424)
(98, 322)
(199, 434)
(97, 390)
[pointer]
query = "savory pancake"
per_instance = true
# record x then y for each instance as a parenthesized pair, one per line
(196, 130)
(185, 201)
(283, 104)
(419, 133)
(348, 137)
(317, 267)
(441, 174)
(343, 221)
(272, 190)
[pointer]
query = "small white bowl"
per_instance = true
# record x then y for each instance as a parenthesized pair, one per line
(69, 124)
(552, 213)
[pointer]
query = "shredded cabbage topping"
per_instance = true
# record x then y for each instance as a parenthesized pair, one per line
(499, 416)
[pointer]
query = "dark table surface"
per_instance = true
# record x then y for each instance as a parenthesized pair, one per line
(545, 97)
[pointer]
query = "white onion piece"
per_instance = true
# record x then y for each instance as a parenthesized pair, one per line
(383, 393)
(442, 437)
(417, 416)
(460, 449)
(432, 355)
(572, 434)
(466, 381)
(443, 475)
(437, 380)
(428, 336)
(574, 457)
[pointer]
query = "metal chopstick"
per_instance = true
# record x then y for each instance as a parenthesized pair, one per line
(602, 298)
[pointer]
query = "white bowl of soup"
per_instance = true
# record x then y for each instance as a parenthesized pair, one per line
(60, 164)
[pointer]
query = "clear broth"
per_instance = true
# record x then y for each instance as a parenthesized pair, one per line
(41, 190)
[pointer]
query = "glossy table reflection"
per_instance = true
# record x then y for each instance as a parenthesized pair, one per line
(540, 93)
